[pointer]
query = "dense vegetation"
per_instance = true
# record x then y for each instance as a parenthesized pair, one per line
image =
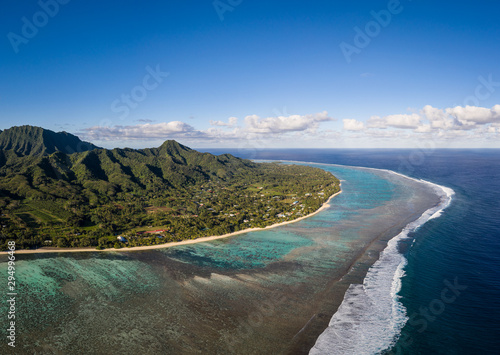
(29, 140)
(50, 196)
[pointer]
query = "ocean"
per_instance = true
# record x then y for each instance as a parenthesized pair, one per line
(450, 282)
(430, 288)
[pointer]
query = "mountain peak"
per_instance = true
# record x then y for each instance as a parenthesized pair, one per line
(174, 144)
(173, 147)
(31, 140)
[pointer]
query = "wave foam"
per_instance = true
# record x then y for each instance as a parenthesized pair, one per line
(371, 316)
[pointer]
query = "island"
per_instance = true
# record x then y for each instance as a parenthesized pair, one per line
(57, 191)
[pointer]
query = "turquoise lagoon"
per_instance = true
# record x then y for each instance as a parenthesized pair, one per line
(271, 291)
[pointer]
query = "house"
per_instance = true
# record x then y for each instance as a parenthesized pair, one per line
(158, 231)
(121, 239)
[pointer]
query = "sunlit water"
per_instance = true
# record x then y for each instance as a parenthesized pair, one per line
(269, 292)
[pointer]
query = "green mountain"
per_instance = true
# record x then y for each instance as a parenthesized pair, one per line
(29, 140)
(109, 172)
(51, 194)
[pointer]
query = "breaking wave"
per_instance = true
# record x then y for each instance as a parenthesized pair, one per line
(371, 316)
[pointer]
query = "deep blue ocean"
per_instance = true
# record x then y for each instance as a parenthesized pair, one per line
(451, 287)
(435, 288)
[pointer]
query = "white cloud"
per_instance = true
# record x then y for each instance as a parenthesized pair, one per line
(376, 122)
(448, 127)
(282, 124)
(474, 114)
(255, 127)
(396, 121)
(233, 121)
(433, 113)
(425, 128)
(164, 130)
(451, 126)
(438, 118)
(218, 123)
(403, 121)
(460, 118)
(353, 125)
(386, 134)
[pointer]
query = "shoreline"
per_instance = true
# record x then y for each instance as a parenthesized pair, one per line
(321, 307)
(44, 250)
(374, 279)
(316, 335)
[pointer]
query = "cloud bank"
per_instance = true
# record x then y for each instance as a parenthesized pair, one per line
(430, 123)
(253, 126)
(442, 125)
(174, 129)
(282, 124)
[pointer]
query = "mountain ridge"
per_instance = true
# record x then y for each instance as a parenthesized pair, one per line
(85, 198)
(33, 161)
(32, 140)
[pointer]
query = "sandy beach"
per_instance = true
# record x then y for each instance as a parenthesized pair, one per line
(273, 292)
(173, 244)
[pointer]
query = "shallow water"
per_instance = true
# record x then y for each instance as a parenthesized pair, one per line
(371, 316)
(270, 291)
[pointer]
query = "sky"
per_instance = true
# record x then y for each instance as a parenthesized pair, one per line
(255, 74)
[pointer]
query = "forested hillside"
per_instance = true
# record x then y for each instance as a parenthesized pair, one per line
(56, 190)
(29, 140)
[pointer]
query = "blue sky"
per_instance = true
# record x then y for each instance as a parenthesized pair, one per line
(234, 73)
